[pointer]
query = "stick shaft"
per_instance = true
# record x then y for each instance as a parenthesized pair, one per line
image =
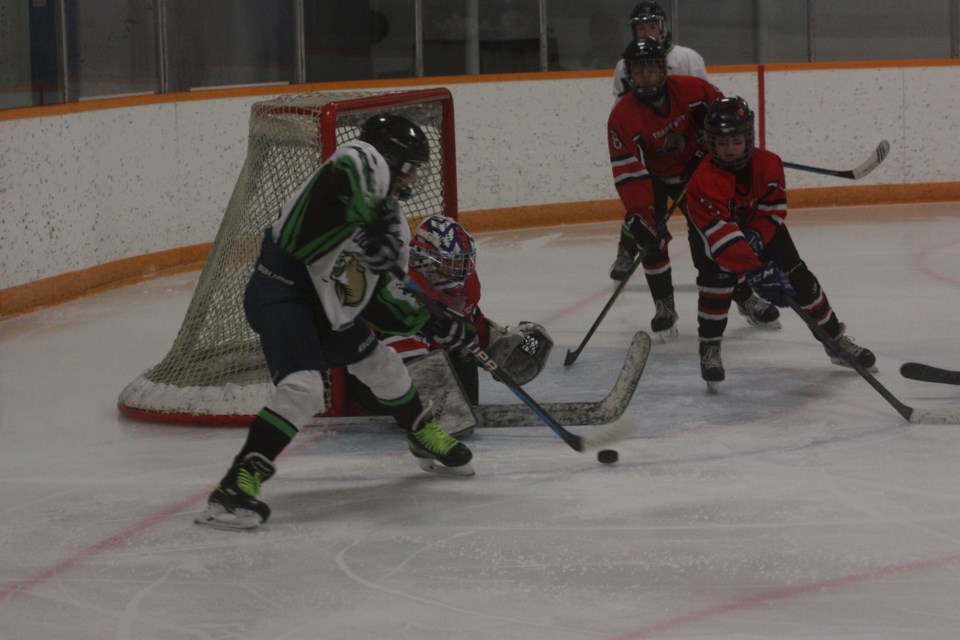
(825, 337)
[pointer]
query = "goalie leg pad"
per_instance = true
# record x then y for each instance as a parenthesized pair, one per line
(383, 372)
(522, 352)
(298, 397)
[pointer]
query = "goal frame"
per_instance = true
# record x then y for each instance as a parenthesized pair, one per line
(327, 116)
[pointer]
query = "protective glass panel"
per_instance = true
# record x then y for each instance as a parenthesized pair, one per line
(217, 43)
(881, 30)
(113, 47)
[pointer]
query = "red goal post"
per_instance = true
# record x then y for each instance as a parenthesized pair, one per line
(214, 373)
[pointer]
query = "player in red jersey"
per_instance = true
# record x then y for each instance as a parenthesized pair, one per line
(654, 148)
(736, 214)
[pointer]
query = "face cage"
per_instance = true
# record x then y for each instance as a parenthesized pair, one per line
(731, 165)
(423, 169)
(652, 91)
(657, 19)
(446, 269)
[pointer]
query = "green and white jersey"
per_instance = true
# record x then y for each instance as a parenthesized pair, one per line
(321, 227)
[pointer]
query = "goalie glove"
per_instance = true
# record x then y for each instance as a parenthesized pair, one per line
(451, 331)
(522, 352)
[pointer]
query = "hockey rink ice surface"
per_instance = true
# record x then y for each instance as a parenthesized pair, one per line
(795, 504)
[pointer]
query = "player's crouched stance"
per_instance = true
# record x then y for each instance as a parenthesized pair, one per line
(329, 253)
(737, 210)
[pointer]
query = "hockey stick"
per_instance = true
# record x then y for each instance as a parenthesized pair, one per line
(852, 174)
(616, 431)
(927, 373)
(602, 411)
(910, 414)
(572, 356)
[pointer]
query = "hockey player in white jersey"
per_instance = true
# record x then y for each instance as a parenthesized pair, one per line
(327, 256)
(648, 20)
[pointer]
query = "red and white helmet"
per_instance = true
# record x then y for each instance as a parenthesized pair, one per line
(443, 252)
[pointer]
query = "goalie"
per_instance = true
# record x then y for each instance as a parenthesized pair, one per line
(443, 259)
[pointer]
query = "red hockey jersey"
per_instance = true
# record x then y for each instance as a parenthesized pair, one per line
(646, 141)
(462, 300)
(721, 208)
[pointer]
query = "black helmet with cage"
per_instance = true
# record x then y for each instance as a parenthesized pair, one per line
(401, 143)
(729, 116)
(642, 53)
(649, 12)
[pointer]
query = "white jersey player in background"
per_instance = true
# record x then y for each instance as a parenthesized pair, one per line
(648, 20)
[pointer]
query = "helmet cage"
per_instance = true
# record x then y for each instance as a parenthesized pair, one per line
(642, 52)
(443, 252)
(728, 117)
(649, 12)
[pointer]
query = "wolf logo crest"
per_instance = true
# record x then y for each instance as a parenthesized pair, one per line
(350, 278)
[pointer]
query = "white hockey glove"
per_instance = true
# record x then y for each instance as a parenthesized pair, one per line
(521, 352)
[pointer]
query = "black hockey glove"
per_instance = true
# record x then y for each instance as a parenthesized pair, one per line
(381, 242)
(452, 332)
(647, 239)
(768, 281)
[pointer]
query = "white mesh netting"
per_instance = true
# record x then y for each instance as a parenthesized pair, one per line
(215, 372)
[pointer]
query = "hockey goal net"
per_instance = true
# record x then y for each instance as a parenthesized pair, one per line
(214, 373)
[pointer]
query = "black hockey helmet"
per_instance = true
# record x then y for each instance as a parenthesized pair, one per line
(729, 117)
(645, 51)
(649, 12)
(401, 143)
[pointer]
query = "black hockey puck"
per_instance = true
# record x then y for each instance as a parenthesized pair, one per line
(608, 456)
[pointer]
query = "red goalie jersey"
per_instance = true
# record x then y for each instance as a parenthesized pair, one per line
(759, 205)
(645, 140)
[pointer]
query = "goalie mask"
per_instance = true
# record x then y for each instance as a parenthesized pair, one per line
(403, 145)
(521, 352)
(443, 252)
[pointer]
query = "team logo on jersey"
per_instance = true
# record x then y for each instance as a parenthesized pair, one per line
(742, 212)
(350, 278)
(673, 144)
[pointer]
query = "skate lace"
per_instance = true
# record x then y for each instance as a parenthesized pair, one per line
(664, 308)
(711, 357)
(249, 482)
(434, 439)
(847, 344)
(755, 305)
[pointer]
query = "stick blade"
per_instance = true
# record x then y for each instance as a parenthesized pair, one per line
(927, 373)
(570, 358)
(873, 161)
(940, 415)
(624, 427)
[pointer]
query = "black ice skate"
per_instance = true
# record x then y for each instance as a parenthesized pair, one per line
(711, 367)
(864, 357)
(759, 313)
(234, 504)
(622, 265)
(664, 322)
(436, 451)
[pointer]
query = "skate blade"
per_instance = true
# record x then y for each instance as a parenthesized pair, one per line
(219, 518)
(668, 335)
(433, 466)
(713, 387)
(773, 325)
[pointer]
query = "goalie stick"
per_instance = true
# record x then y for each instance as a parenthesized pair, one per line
(927, 373)
(920, 416)
(602, 411)
(572, 356)
(616, 431)
(852, 174)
